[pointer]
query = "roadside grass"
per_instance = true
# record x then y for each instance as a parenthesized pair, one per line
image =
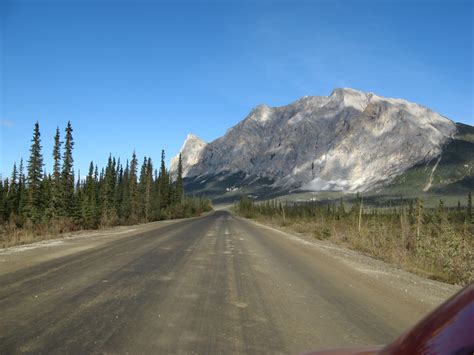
(13, 235)
(16, 238)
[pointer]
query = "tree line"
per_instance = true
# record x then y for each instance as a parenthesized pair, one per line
(31, 198)
(436, 242)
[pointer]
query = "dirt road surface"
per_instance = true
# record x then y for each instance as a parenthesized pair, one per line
(213, 284)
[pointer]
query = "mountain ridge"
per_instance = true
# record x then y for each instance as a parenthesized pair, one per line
(347, 141)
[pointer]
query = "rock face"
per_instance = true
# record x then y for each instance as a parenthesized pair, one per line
(190, 154)
(349, 141)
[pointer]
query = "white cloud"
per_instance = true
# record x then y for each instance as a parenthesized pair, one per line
(6, 123)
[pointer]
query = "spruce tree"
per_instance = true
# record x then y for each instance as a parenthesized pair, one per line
(155, 197)
(125, 206)
(6, 203)
(35, 177)
(12, 199)
(22, 195)
(164, 182)
(108, 193)
(142, 189)
(67, 174)
(179, 181)
(46, 193)
(76, 210)
(118, 193)
(133, 188)
(89, 199)
(97, 191)
(56, 187)
(148, 189)
(171, 191)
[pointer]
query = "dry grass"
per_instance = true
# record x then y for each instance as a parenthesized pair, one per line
(11, 235)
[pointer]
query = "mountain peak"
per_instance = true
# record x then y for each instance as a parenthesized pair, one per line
(350, 98)
(190, 153)
(346, 90)
(191, 137)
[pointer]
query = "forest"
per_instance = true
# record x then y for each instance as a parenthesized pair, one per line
(36, 204)
(434, 242)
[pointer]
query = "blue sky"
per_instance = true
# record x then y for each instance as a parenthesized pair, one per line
(142, 74)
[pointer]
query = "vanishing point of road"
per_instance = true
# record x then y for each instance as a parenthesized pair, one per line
(213, 284)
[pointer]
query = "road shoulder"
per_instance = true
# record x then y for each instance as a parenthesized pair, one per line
(428, 293)
(27, 255)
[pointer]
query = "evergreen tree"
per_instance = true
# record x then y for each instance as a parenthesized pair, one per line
(22, 196)
(46, 193)
(76, 210)
(179, 182)
(142, 189)
(35, 177)
(163, 182)
(109, 214)
(89, 199)
(12, 199)
(125, 206)
(133, 187)
(6, 203)
(118, 193)
(156, 203)
(148, 189)
(97, 190)
(172, 199)
(145, 184)
(56, 187)
(67, 174)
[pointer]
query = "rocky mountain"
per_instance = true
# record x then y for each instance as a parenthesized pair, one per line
(347, 141)
(190, 154)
